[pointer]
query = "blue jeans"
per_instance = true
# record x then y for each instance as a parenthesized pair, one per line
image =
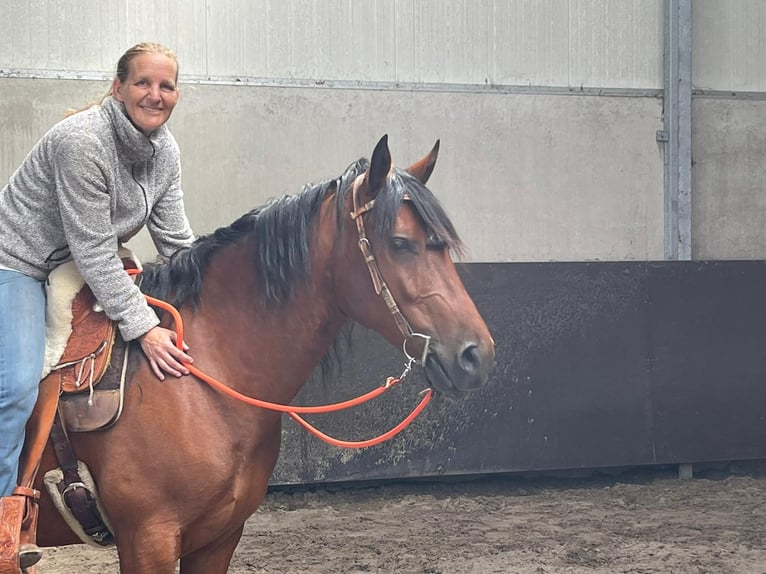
(22, 350)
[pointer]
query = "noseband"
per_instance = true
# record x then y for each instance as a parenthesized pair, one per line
(381, 288)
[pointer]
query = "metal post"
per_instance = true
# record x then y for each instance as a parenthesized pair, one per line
(677, 134)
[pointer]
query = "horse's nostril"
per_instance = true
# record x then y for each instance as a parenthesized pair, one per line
(469, 359)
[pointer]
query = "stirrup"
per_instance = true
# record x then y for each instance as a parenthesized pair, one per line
(29, 555)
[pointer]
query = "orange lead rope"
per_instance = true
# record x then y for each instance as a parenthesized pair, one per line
(294, 410)
(369, 442)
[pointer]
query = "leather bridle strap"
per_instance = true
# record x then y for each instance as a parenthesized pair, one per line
(381, 288)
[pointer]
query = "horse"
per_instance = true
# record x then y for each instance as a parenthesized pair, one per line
(264, 301)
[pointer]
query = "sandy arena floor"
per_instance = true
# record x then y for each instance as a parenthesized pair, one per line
(642, 522)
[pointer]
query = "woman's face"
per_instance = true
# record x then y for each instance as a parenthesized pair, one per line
(149, 92)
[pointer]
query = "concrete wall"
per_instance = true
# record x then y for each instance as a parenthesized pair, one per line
(729, 179)
(520, 175)
(728, 129)
(536, 162)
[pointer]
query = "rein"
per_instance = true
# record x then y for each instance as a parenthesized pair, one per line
(381, 288)
(294, 410)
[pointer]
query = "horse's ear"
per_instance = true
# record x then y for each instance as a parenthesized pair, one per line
(380, 165)
(422, 169)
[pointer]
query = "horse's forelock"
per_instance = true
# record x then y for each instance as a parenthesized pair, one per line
(388, 203)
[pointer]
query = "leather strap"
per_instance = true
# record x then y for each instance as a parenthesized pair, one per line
(38, 429)
(380, 285)
(381, 288)
(37, 432)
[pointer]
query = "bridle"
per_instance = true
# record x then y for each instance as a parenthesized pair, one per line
(378, 283)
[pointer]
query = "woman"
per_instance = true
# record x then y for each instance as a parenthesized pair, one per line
(92, 182)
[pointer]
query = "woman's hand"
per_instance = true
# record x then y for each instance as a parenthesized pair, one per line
(159, 346)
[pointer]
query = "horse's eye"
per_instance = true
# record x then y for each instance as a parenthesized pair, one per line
(401, 244)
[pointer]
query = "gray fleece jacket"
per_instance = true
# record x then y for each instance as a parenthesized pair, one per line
(92, 182)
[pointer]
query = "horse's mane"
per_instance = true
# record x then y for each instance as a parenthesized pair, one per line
(281, 230)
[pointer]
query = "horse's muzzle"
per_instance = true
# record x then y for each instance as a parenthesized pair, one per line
(461, 371)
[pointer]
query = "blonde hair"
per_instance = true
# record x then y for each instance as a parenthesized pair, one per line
(123, 64)
(123, 68)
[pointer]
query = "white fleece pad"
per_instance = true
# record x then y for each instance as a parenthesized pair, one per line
(62, 286)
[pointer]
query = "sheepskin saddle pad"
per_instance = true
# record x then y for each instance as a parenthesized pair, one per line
(82, 344)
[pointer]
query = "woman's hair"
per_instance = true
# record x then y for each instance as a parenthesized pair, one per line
(123, 64)
(123, 68)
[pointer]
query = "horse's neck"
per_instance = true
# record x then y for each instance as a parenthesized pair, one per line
(282, 342)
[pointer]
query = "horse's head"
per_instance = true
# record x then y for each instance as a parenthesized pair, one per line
(399, 278)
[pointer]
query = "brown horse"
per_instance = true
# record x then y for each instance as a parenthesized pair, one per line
(263, 302)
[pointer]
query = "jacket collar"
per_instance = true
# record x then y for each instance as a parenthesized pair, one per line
(132, 145)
